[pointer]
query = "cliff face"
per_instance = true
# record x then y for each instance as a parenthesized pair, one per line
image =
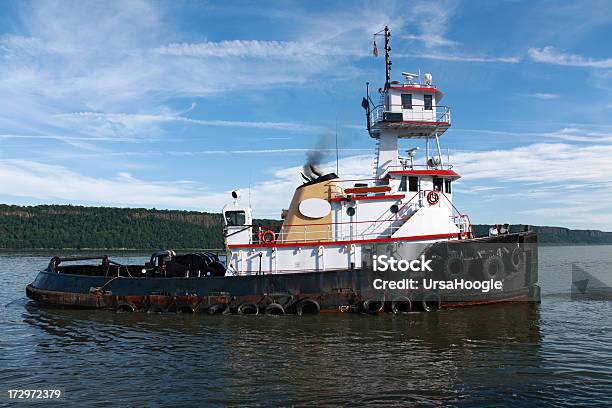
(76, 227)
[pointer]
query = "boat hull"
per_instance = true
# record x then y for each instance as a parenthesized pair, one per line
(333, 291)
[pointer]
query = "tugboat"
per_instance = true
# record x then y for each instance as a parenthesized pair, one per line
(322, 257)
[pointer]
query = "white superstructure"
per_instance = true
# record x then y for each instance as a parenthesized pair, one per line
(409, 199)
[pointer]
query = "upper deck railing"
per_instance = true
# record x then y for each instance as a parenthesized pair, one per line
(416, 114)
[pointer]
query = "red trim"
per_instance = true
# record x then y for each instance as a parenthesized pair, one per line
(359, 241)
(447, 173)
(365, 198)
(415, 88)
(364, 190)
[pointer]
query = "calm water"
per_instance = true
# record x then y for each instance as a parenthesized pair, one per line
(558, 353)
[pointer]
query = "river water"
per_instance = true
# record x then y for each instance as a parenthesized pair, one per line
(558, 353)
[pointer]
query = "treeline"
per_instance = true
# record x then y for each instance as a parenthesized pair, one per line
(76, 227)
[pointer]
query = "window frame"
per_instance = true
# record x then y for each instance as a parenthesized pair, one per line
(231, 218)
(426, 105)
(403, 186)
(438, 183)
(406, 105)
(415, 180)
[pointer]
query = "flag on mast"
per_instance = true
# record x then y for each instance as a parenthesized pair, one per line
(375, 49)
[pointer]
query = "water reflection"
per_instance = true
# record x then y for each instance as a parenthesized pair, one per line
(420, 358)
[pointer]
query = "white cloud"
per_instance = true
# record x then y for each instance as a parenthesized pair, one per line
(541, 162)
(58, 184)
(551, 55)
(462, 58)
(251, 49)
(135, 120)
(552, 175)
(135, 60)
(543, 95)
(430, 40)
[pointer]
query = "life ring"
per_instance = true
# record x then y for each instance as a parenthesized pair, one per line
(432, 302)
(433, 197)
(248, 309)
(401, 305)
(307, 306)
(268, 237)
(274, 309)
(372, 306)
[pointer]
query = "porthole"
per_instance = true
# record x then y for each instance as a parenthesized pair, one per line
(350, 211)
(394, 209)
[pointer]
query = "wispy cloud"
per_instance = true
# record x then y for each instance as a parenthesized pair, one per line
(430, 40)
(542, 95)
(541, 162)
(552, 55)
(462, 58)
(127, 119)
(251, 49)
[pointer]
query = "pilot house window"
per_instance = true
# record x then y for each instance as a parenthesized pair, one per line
(428, 102)
(406, 101)
(233, 218)
(402, 186)
(437, 183)
(413, 183)
(447, 186)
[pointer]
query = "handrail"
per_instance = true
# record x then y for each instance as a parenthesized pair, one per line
(424, 166)
(438, 113)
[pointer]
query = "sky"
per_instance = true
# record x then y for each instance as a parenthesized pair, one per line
(172, 105)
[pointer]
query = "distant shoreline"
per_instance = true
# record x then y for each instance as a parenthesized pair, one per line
(78, 228)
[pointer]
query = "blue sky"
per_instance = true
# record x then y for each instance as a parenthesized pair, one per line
(174, 104)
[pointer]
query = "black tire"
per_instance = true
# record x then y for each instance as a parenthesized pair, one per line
(155, 308)
(185, 308)
(219, 309)
(372, 306)
(493, 268)
(517, 259)
(248, 309)
(307, 306)
(432, 302)
(274, 309)
(454, 267)
(123, 307)
(401, 305)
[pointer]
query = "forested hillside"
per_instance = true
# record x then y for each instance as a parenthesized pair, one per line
(75, 227)
(66, 226)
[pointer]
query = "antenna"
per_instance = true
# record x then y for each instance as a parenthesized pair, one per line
(387, 60)
(388, 63)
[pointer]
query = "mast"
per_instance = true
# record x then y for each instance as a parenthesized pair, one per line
(387, 59)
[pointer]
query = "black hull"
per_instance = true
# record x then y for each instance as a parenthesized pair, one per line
(332, 291)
